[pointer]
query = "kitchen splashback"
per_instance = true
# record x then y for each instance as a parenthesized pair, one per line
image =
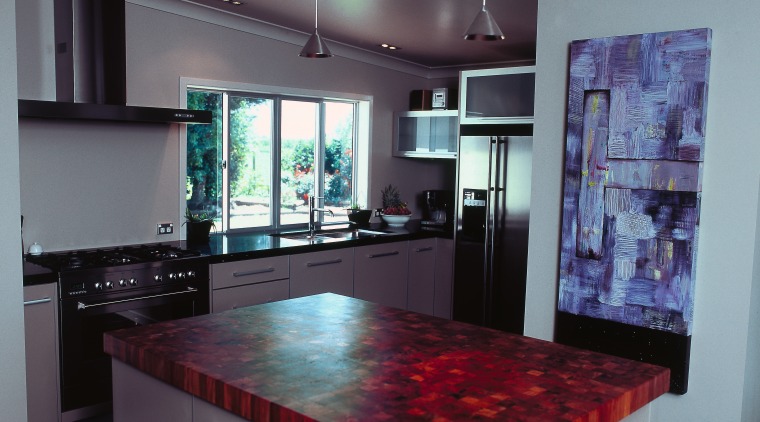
(97, 184)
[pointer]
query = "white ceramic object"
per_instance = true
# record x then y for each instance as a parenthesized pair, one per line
(35, 249)
(396, 220)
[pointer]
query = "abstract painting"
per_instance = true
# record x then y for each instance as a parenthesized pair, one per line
(633, 167)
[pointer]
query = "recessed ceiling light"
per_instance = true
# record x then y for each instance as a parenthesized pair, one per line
(390, 47)
(235, 2)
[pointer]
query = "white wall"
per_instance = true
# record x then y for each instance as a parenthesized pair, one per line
(724, 375)
(101, 184)
(12, 362)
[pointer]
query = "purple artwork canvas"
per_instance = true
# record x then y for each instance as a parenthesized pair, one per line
(633, 167)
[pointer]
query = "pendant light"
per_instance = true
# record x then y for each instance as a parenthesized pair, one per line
(484, 27)
(315, 47)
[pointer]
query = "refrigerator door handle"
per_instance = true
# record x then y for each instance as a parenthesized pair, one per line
(492, 199)
(496, 169)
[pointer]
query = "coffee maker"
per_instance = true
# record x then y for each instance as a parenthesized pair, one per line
(437, 209)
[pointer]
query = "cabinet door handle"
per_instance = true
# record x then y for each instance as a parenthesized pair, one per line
(380, 255)
(317, 264)
(253, 272)
(37, 301)
(425, 249)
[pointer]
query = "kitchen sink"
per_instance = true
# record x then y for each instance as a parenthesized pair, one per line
(336, 235)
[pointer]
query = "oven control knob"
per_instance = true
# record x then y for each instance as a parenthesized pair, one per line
(158, 278)
(181, 275)
(191, 274)
(98, 286)
(109, 284)
(172, 276)
(123, 283)
(133, 282)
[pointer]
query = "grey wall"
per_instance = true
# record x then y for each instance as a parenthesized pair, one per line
(100, 184)
(12, 362)
(723, 384)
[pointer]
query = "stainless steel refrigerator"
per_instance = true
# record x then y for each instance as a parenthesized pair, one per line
(491, 237)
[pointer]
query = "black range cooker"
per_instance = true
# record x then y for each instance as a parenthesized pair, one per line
(111, 288)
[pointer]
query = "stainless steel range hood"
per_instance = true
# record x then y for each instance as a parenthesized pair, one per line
(90, 67)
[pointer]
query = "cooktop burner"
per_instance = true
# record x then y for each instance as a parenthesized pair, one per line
(110, 257)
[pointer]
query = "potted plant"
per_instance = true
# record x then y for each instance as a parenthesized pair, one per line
(395, 211)
(198, 226)
(358, 215)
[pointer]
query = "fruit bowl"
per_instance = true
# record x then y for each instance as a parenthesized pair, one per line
(396, 220)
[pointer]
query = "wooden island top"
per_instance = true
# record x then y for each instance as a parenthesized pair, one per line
(329, 358)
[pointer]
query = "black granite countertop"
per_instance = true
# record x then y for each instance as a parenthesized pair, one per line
(237, 247)
(241, 246)
(34, 274)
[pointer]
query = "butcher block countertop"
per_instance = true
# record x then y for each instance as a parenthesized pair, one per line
(331, 358)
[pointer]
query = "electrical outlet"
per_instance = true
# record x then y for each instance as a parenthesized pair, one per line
(164, 228)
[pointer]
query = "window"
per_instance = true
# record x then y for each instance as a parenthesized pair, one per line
(265, 154)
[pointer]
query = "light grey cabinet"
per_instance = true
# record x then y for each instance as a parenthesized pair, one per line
(430, 276)
(158, 401)
(251, 282)
(426, 134)
(414, 275)
(444, 277)
(381, 273)
(421, 287)
(497, 96)
(41, 338)
(322, 272)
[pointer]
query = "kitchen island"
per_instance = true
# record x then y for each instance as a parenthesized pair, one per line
(329, 357)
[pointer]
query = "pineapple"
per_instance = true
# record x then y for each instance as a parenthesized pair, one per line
(392, 203)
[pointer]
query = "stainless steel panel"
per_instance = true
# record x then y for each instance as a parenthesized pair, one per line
(493, 207)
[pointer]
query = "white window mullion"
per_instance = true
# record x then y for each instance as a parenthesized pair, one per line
(225, 164)
(319, 155)
(276, 188)
(355, 159)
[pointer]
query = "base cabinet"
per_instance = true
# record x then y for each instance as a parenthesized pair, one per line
(421, 288)
(381, 273)
(430, 276)
(322, 272)
(41, 337)
(444, 277)
(414, 275)
(252, 282)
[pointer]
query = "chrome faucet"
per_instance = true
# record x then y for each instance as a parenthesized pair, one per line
(312, 210)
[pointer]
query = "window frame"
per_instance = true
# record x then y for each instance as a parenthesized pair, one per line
(361, 147)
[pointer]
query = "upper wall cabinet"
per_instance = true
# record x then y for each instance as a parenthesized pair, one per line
(426, 134)
(497, 96)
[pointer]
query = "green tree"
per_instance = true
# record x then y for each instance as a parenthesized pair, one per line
(243, 147)
(204, 152)
(339, 165)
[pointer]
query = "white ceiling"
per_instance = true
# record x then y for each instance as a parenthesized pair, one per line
(429, 32)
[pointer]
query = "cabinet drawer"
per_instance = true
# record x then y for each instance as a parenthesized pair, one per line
(249, 294)
(239, 273)
(322, 272)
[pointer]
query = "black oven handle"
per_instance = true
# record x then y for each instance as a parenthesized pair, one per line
(82, 306)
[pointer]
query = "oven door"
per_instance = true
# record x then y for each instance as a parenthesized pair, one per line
(85, 368)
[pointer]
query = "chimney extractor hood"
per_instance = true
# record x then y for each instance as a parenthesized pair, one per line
(90, 68)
